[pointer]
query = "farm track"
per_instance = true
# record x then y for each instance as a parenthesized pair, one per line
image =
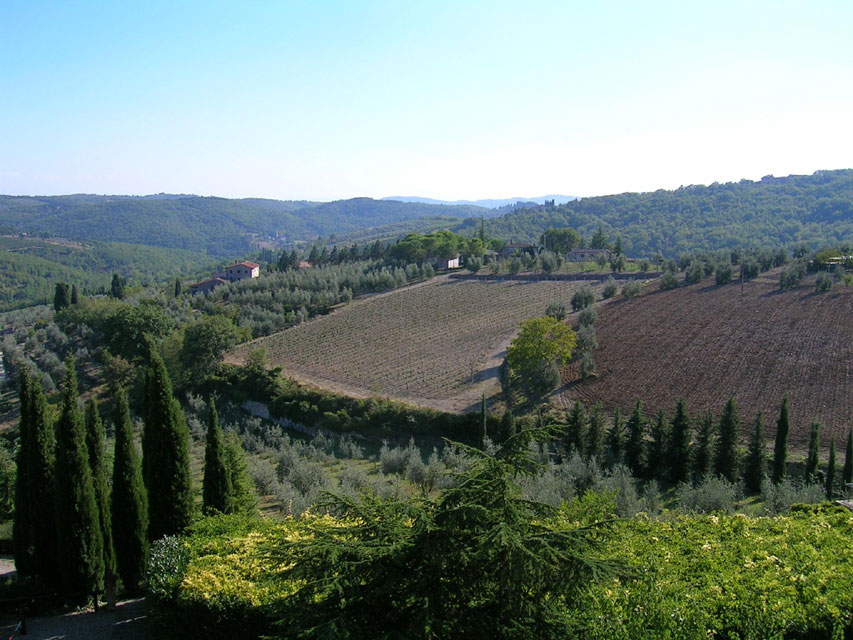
(707, 343)
(438, 344)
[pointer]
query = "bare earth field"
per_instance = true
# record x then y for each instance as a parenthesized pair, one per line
(438, 344)
(707, 343)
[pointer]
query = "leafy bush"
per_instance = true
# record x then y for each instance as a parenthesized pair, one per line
(668, 281)
(694, 272)
(167, 564)
(631, 289)
(587, 317)
(713, 494)
(610, 288)
(582, 298)
(723, 273)
(556, 310)
(778, 498)
(823, 282)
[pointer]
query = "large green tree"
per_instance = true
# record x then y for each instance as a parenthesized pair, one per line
(165, 454)
(204, 343)
(23, 533)
(595, 432)
(756, 457)
(780, 449)
(542, 343)
(635, 447)
(129, 501)
(576, 429)
(129, 504)
(95, 444)
(217, 492)
(81, 551)
(703, 451)
(656, 463)
(725, 457)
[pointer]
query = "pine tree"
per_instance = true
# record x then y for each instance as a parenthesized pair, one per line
(656, 459)
(847, 471)
(129, 502)
(165, 454)
(576, 429)
(635, 454)
(756, 458)
(679, 445)
(75, 295)
(216, 487)
(813, 457)
(615, 442)
(244, 499)
(81, 552)
(95, 445)
(780, 449)
(595, 434)
(42, 487)
(177, 287)
(830, 472)
(725, 458)
(704, 446)
(117, 287)
(23, 533)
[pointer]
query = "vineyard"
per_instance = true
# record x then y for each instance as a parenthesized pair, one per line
(439, 344)
(707, 343)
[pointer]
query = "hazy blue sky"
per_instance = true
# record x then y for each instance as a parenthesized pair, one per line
(326, 100)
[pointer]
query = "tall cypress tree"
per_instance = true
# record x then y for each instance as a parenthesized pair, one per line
(635, 447)
(42, 489)
(75, 295)
(483, 420)
(679, 445)
(847, 471)
(216, 489)
(780, 449)
(81, 552)
(655, 462)
(23, 532)
(813, 457)
(703, 452)
(129, 502)
(595, 434)
(95, 446)
(725, 458)
(576, 429)
(61, 296)
(830, 472)
(756, 458)
(165, 454)
(615, 442)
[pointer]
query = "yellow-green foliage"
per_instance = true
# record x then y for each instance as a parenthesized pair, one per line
(690, 576)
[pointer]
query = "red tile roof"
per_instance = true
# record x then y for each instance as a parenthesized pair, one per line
(247, 264)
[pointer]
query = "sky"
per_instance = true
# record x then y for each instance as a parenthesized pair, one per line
(327, 100)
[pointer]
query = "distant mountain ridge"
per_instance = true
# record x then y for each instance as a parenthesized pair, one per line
(489, 203)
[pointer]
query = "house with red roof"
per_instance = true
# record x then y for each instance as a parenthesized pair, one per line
(242, 271)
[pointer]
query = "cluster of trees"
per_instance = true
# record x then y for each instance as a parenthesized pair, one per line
(684, 448)
(76, 528)
(812, 209)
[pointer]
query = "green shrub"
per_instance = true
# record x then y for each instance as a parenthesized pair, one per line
(582, 298)
(632, 289)
(723, 273)
(610, 288)
(668, 281)
(714, 494)
(166, 567)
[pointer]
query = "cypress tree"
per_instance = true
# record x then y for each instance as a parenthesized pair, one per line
(177, 287)
(22, 527)
(847, 471)
(576, 429)
(81, 552)
(483, 418)
(756, 458)
(780, 449)
(75, 295)
(61, 296)
(679, 445)
(595, 434)
(117, 287)
(725, 458)
(508, 425)
(243, 496)
(165, 454)
(616, 439)
(216, 488)
(635, 454)
(704, 446)
(42, 487)
(655, 463)
(129, 502)
(830, 472)
(813, 458)
(95, 445)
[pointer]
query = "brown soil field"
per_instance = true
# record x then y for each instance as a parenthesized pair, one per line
(437, 344)
(707, 343)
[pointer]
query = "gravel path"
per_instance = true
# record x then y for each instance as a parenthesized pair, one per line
(129, 621)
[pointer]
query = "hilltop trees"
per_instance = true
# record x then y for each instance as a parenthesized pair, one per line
(165, 454)
(129, 507)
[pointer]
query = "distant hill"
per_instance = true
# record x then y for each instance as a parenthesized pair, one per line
(815, 209)
(488, 203)
(216, 226)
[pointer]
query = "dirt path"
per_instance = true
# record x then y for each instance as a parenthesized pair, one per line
(129, 621)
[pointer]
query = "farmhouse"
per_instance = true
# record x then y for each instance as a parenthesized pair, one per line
(303, 264)
(517, 247)
(448, 263)
(586, 255)
(206, 285)
(242, 271)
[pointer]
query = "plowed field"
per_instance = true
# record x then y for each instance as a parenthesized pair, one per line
(707, 343)
(439, 344)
